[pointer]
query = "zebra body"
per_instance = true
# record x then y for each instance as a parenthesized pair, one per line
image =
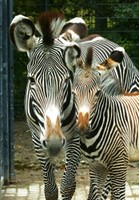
(125, 75)
(123, 78)
(49, 102)
(108, 128)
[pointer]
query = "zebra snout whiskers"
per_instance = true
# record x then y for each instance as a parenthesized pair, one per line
(54, 146)
(62, 142)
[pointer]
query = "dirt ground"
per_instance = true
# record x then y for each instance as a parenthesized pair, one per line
(27, 167)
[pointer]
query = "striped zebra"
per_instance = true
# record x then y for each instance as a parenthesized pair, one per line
(49, 106)
(108, 125)
(49, 102)
(123, 78)
(126, 75)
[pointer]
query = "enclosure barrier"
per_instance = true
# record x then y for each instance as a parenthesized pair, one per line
(6, 96)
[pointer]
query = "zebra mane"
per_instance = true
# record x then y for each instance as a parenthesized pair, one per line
(88, 62)
(131, 93)
(89, 58)
(50, 25)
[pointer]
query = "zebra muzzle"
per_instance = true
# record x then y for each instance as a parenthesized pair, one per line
(83, 122)
(54, 139)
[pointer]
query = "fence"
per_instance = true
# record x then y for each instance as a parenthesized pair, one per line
(6, 96)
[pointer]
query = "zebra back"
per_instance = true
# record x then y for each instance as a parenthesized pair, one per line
(123, 78)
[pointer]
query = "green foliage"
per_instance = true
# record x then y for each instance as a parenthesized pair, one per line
(126, 17)
(20, 80)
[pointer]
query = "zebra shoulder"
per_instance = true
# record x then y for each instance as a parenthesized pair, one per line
(131, 94)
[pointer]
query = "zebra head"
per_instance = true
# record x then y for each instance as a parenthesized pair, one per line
(49, 99)
(87, 84)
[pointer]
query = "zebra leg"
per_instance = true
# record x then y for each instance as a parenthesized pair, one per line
(68, 183)
(50, 187)
(50, 190)
(118, 182)
(107, 188)
(98, 174)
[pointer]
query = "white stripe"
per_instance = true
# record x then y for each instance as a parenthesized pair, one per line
(76, 20)
(18, 18)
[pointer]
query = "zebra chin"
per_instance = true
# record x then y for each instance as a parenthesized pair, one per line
(54, 146)
(85, 133)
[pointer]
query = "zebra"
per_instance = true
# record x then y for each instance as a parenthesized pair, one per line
(108, 125)
(126, 75)
(49, 102)
(57, 36)
(123, 78)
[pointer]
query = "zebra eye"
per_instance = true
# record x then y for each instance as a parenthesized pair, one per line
(32, 80)
(67, 80)
(73, 91)
(38, 111)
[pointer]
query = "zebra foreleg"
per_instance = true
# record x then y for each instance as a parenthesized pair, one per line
(98, 174)
(50, 187)
(106, 189)
(115, 183)
(68, 183)
(118, 181)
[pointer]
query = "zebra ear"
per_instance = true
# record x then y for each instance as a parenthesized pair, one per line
(22, 32)
(71, 54)
(74, 30)
(115, 58)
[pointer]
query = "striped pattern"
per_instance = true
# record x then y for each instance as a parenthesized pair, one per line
(112, 128)
(125, 75)
(50, 85)
(49, 103)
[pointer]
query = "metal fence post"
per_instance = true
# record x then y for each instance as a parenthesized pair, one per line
(11, 97)
(46, 4)
(6, 123)
(1, 156)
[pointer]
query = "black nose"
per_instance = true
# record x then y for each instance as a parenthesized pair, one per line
(54, 146)
(88, 134)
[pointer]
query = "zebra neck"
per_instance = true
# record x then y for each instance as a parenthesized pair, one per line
(100, 105)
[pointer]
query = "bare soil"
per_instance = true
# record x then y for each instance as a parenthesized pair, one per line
(27, 167)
